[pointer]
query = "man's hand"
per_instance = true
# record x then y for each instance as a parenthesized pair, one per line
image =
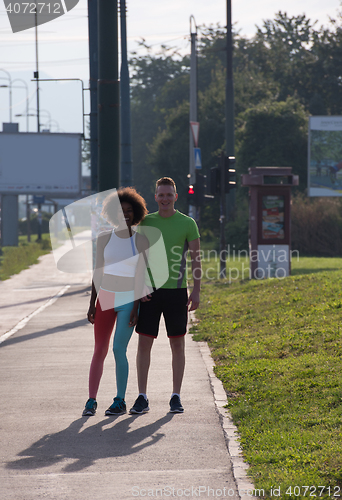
(133, 318)
(194, 300)
(147, 294)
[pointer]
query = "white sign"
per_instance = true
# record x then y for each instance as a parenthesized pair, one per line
(325, 122)
(325, 156)
(195, 131)
(198, 158)
(273, 261)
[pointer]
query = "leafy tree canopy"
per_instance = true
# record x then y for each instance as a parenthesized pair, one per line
(289, 69)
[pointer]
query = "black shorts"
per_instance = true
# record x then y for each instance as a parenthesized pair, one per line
(172, 302)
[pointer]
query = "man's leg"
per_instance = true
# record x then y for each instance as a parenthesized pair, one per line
(143, 364)
(177, 345)
(143, 361)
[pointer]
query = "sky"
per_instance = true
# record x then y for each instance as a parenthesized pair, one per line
(63, 49)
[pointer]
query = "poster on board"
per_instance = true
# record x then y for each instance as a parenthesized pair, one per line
(273, 217)
(325, 156)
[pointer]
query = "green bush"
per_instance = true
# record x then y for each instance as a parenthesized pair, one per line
(317, 226)
(15, 259)
(237, 234)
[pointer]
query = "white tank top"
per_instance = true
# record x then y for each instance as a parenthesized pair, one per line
(120, 256)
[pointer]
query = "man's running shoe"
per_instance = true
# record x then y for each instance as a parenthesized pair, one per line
(117, 408)
(90, 408)
(176, 405)
(140, 406)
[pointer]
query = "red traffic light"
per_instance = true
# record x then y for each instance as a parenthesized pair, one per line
(191, 190)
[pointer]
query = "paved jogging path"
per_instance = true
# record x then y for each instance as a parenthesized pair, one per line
(49, 451)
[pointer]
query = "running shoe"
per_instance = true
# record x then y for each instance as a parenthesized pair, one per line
(176, 405)
(90, 408)
(140, 406)
(117, 408)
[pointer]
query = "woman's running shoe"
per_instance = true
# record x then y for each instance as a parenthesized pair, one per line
(117, 408)
(90, 408)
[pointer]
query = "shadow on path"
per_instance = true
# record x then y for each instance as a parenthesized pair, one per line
(86, 290)
(109, 438)
(43, 333)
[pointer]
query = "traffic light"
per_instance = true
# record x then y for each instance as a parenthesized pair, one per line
(228, 164)
(196, 192)
(191, 195)
(200, 189)
(214, 186)
(230, 174)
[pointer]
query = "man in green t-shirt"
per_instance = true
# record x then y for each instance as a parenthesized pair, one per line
(180, 234)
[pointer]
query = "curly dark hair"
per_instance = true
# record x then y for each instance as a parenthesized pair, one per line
(128, 195)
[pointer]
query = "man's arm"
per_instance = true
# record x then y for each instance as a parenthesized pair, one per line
(194, 249)
(144, 293)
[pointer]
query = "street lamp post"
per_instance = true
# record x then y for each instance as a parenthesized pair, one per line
(10, 91)
(33, 112)
(27, 98)
(229, 132)
(69, 80)
(55, 122)
(126, 171)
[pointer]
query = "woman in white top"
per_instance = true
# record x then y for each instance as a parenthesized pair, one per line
(116, 291)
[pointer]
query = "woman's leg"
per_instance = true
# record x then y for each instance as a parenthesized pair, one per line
(103, 327)
(122, 336)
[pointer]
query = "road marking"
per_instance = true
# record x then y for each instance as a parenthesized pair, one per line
(24, 321)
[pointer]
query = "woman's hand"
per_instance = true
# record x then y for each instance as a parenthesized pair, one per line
(91, 313)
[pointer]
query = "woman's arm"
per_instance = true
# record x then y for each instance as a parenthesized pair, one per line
(101, 242)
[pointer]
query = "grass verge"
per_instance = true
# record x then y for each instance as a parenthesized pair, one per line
(278, 350)
(15, 259)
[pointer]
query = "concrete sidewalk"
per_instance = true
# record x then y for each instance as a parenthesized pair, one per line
(49, 451)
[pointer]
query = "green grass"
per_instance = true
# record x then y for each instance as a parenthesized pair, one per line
(15, 259)
(237, 267)
(278, 351)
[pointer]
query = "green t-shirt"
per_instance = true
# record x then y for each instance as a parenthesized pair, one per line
(177, 231)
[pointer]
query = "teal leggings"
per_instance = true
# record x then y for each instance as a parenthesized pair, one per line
(111, 307)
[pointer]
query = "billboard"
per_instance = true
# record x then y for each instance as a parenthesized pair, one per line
(325, 156)
(45, 163)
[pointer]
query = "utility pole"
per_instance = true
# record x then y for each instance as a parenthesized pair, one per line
(193, 107)
(126, 141)
(222, 216)
(93, 72)
(36, 73)
(108, 96)
(230, 101)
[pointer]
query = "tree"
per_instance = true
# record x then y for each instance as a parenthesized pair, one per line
(287, 55)
(274, 134)
(288, 69)
(150, 75)
(325, 72)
